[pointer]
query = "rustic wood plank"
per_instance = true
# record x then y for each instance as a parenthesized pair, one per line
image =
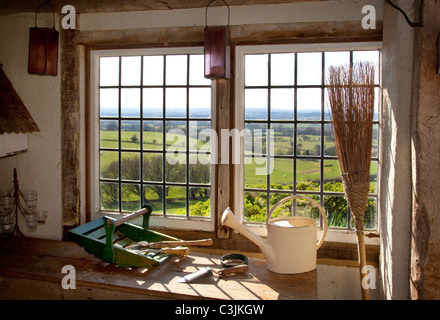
(86, 6)
(70, 100)
(36, 265)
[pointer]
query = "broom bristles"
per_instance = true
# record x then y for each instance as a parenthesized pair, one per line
(351, 97)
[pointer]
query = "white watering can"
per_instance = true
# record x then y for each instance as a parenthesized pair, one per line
(291, 243)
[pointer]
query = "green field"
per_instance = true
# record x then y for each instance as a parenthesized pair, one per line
(282, 176)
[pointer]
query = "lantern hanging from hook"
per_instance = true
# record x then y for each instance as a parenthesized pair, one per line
(43, 47)
(217, 48)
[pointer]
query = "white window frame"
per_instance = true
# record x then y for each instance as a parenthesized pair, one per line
(173, 222)
(333, 235)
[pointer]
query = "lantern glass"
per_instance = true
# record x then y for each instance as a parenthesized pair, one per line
(217, 52)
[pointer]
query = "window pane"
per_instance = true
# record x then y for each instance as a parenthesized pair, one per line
(152, 167)
(283, 135)
(370, 216)
(308, 174)
(109, 165)
(200, 136)
(130, 166)
(153, 194)
(373, 177)
(175, 102)
(153, 70)
(108, 102)
(308, 140)
(336, 210)
(199, 169)
(284, 210)
(255, 206)
(197, 70)
(130, 71)
(130, 134)
(255, 173)
(282, 69)
(109, 195)
(370, 56)
(309, 104)
(281, 176)
(332, 176)
(175, 138)
(153, 135)
(176, 200)
(255, 104)
(375, 141)
(336, 59)
(309, 68)
(199, 202)
(109, 71)
(175, 168)
(130, 197)
(176, 70)
(152, 102)
(256, 73)
(200, 102)
(329, 141)
(282, 104)
(109, 134)
(255, 138)
(130, 102)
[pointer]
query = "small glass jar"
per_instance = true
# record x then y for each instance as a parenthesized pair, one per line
(31, 221)
(30, 197)
(42, 216)
(7, 222)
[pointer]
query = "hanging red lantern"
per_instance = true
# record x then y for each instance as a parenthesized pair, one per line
(217, 49)
(43, 48)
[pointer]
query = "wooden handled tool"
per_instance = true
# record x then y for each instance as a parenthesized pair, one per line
(169, 244)
(237, 269)
(163, 244)
(180, 251)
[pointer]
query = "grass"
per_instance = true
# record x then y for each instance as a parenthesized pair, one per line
(283, 174)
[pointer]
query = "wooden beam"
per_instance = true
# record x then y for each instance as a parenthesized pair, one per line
(224, 187)
(70, 99)
(87, 6)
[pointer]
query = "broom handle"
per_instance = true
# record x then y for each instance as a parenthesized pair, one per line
(362, 263)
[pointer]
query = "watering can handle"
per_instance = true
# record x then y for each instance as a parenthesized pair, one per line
(316, 204)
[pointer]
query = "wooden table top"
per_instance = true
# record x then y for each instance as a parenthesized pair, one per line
(37, 261)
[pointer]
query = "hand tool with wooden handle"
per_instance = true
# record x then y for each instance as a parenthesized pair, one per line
(179, 251)
(170, 244)
(237, 269)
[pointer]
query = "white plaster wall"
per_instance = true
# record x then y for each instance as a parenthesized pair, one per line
(396, 192)
(38, 168)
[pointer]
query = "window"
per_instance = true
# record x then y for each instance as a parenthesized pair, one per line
(152, 122)
(282, 88)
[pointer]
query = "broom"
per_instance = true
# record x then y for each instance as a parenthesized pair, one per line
(351, 97)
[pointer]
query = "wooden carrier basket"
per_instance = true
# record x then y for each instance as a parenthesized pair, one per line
(110, 239)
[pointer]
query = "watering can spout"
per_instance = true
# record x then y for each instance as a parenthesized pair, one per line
(229, 220)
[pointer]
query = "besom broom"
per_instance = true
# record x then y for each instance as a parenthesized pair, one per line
(351, 99)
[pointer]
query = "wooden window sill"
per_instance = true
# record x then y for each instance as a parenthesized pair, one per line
(32, 269)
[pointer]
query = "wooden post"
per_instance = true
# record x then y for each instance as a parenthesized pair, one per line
(223, 167)
(70, 128)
